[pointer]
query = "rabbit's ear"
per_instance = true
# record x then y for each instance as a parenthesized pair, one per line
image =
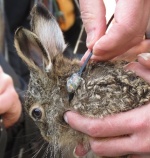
(31, 50)
(44, 25)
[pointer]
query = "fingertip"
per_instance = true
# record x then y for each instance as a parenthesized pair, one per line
(97, 58)
(144, 59)
(80, 151)
(65, 118)
(130, 67)
(135, 67)
(90, 39)
(82, 61)
(85, 56)
(139, 70)
(96, 49)
(145, 56)
(67, 115)
(71, 116)
(102, 54)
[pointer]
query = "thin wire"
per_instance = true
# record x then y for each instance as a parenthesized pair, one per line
(110, 20)
(84, 64)
(77, 4)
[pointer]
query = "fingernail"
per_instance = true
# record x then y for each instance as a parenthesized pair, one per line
(74, 153)
(65, 118)
(129, 67)
(90, 38)
(145, 56)
(80, 151)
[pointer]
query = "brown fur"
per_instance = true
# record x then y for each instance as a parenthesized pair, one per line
(105, 88)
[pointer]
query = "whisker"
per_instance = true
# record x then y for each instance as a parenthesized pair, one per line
(47, 151)
(38, 151)
(25, 148)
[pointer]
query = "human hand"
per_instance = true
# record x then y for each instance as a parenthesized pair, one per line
(10, 106)
(132, 54)
(130, 22)
(127, 133)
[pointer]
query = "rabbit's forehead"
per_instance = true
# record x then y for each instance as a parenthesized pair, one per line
(50, 103)
(40, 81)
(43, 88)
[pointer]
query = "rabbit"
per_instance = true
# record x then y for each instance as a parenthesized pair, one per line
(105, 87)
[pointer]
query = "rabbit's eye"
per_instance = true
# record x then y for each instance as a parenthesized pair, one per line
(37, 113)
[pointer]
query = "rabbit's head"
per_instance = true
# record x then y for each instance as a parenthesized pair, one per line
(42, 50)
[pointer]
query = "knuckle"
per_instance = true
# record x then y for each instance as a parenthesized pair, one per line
(88, 20)
(97, 148)
(86, 16)
(139, 124)
(92, 130)
(131, 32)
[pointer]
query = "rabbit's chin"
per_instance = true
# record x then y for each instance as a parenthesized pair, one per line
(67, 138)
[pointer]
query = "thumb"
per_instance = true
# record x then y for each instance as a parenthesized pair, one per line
(93, 16)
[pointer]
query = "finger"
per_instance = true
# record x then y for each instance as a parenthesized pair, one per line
(10, 108)
(131, 54)
(113, 147)
(93, 16)
(139, 156)
(144, 59)
(110, 126)
(80, 150)
(5, 103)
(139, 70)
(119, 146)
(95, 58)
(126, 31)
(85, 56)
(5, 81)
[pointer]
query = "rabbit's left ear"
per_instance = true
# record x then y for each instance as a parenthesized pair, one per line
(45, 26)
(31, 50)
